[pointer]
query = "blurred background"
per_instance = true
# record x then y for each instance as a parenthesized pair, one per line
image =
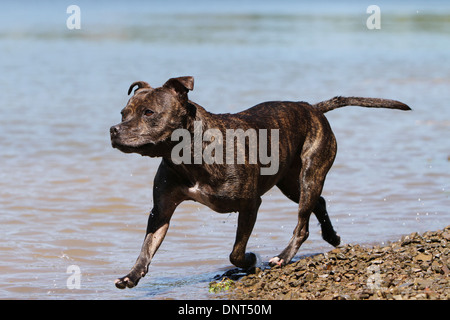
(68, 198)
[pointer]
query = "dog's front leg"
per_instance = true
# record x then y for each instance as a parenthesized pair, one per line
(246, 221)
(158, 224)
(166, 197)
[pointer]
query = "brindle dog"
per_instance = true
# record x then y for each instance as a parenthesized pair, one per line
(306, 152)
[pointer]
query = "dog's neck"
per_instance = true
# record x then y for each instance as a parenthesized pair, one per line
(198, 113)
(193, 172)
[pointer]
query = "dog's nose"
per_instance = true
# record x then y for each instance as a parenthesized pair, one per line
(113, 131)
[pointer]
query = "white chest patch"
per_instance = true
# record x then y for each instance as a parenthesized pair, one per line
(194, 189)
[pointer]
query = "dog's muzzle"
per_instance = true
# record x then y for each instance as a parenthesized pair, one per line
(114, 132)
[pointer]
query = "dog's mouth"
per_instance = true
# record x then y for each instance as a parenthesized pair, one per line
(129, 146)
(127, 143)
(142, 144)
(122, 147)
(149, 149)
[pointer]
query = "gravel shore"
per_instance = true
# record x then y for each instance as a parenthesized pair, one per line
(417, 267)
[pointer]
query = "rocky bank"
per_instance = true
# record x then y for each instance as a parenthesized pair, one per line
(415, 267)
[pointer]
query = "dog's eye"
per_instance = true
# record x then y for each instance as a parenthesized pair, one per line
(148, 112)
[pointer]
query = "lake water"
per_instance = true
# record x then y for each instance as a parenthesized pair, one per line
(67, 198)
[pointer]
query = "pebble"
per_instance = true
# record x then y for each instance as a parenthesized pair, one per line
(417, 267)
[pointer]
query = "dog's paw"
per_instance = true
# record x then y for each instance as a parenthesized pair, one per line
(276, 261)
(251, 260)
(130, 280)
(124, 282)
(332, 239)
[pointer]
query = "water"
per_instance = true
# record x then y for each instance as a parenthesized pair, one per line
(68, 198)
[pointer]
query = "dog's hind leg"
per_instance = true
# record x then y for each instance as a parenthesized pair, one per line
(316, 159)
(308, 199)
(290, 187)
(328, 233)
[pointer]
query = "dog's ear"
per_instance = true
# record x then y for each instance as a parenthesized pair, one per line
(140, 84)
(181, 85)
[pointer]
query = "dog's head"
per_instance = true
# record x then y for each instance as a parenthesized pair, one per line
(151, 115)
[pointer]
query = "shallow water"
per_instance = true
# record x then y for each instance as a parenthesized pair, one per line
(68, 198)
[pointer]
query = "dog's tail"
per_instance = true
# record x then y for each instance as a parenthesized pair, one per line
(338, 102)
